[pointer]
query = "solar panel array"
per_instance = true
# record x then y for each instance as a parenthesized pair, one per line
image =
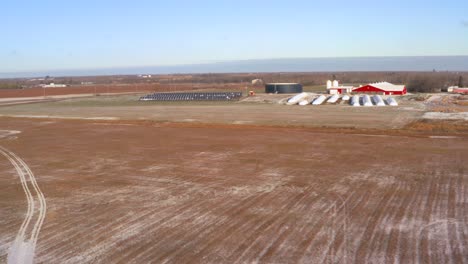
(217, 96)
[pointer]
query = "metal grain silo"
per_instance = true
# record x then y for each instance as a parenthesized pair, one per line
(283, 88)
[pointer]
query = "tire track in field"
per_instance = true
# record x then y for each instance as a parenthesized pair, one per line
(393, 247)
(448, 204)
(204, 232)
(441, 236)
(342, 208)
(428, 209)
(461, 215)
(180, 211)
(414, 217)
(379, 237)
(126, 223)
(243, 206)
(259, 223)
(439, 239)
(371, 224)
(425, 210)
(22, 249)
(307, 246)
(98, 229)
(98, 243)
(338, 205)
(142, 250)
(314, 236)
(132, 254)
(255, 237)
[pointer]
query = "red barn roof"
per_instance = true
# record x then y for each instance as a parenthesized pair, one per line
(382, 87)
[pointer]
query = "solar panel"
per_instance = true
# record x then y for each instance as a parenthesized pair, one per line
(217, 96)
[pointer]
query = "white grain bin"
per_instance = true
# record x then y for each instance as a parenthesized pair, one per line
(304, 102)
(355, 101)
(257, 82)
(378, 101)
(329, 84)
(335, 83)
(366, 101)
(297, 98)
(391, 101)
(319, 100)
(345, 97)
(333, 99)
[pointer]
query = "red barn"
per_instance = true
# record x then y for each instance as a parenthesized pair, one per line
(460, 90)
(382, 88)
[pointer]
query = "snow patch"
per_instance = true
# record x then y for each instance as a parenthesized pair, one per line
(447, 116)
(443, 137)
(21, 252)
(8, 133)
(63, 117)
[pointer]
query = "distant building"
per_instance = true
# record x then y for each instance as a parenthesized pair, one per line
(87, 83)
(458, 90)
(335, 88)
(257, 82)
(53, 85)
(278, 88)
(145, 76)
(450, 89)
(384, 88)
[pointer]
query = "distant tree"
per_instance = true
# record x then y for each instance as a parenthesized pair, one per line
(460, 81)
(426, 83)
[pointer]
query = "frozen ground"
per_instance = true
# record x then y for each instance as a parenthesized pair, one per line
(152, 192)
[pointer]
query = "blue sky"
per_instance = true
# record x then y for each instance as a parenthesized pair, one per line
(44, 35)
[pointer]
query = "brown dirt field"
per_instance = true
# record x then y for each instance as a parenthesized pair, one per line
(104, 89)
(224, 113)
(34, 92)
(439, 126)
(148, 192)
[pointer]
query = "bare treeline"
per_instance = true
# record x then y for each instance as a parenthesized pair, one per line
(415, 81)
(428, 83)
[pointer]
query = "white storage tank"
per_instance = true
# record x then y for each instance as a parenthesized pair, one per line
(329, 84)
(366, 101)
(319, 100)
(333, 99)
(378, 101)
(391, 101)
(355, 100)
(335, 83)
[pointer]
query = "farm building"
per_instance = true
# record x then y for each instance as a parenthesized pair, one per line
(53, 85)
(460, 90)
(456, 89)
(381, 88)
(283, 88)
(335, 88)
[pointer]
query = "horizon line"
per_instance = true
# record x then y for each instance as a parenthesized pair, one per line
(63, 71)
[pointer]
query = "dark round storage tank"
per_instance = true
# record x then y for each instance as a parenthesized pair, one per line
(283, 88)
